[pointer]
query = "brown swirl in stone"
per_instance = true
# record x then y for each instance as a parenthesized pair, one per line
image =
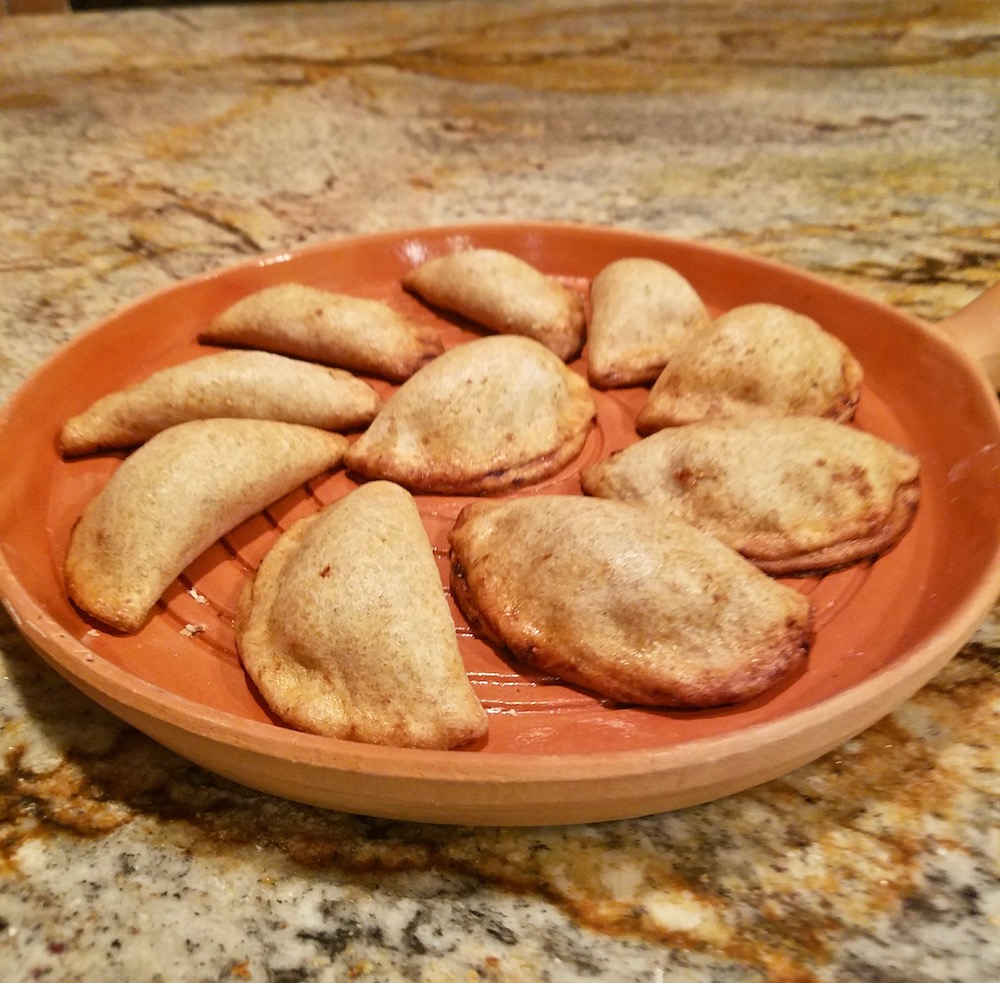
(825, 853)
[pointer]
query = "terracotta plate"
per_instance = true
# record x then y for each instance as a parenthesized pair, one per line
(554, 754)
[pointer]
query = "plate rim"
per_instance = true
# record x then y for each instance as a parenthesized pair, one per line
(74, 661)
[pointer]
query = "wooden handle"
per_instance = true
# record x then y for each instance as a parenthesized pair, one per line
(976, 330)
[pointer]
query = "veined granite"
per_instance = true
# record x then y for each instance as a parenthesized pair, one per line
(857, 140)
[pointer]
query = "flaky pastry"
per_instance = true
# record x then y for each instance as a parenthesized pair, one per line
(352, 333)
(173, 497)
(640, 607)
(240, 384)
(488, 416)
(755, 360)
(346, 632)
(504, 293)
(792, 494)
(642, 310)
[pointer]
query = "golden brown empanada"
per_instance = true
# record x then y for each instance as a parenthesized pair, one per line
(755, 360)
(239, 384)
(504, 293)
(641, 311)
(487, 416)
(346, 631)
(350, 332)
(636, 605)
(792, 494)
(173, 497)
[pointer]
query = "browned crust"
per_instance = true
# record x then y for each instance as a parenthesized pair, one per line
(397, 367)
(126, 547)
(564, 335)
(448, 720)
(619, 379)
(889, 532)
(289, 331)
(652, 418)
(498, 482)
(786, 652)
(659, 414)
(447, 479)
(843, 408)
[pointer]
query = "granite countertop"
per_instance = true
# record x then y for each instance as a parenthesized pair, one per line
(137, 148)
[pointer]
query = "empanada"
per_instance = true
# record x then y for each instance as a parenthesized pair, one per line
(487, 416)
(173, 497)
(240, 384)
(346, 632)
(755, 360)
(633, 604)
(792, 494)
(500, 291)
(322, 326)
(641, 311)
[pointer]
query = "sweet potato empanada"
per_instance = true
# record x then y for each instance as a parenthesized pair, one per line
(173, 497)
(487, 416)
(239, 384)
(792, 494)
(755, 360)
(504, 293)
(350, 332)
(346, 631)
(621, 599)
(641, 311)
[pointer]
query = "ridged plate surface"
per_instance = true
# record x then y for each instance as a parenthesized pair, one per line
(554, 753)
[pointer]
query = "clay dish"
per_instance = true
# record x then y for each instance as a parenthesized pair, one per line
(553, 754)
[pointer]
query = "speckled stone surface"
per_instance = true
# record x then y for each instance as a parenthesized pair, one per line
(857, 140)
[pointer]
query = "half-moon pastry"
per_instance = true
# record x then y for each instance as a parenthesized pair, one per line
(641, 311)
(346, 632)
(487, 416)
(176, 495)
(500, 291)
(792, 494)
(623, 600)
(755, 360)
(241, 384)
(322, 326)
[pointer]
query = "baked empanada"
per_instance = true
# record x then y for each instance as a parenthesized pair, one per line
(500, 291)
(346, 631)
(487, 416)
(239, 384)
(755, 360)
(173, 497)
(623, 600)
(322, 326)
(641, 310)
(792, 494)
